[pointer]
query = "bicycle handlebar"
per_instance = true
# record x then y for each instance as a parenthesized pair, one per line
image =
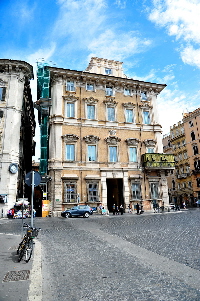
(28, 226)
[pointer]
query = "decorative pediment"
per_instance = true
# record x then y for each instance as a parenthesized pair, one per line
(129, 105)
(90, 100)
(110, 102)
(70, 137)
(70, 98)
(150, 142)
(91, 139)
(145, 105)
(112, 140)
(132, 141)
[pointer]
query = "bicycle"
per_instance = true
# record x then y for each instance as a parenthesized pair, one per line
(25, 248)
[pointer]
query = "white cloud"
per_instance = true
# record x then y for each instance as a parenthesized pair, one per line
(120, 3)
(42, 53)
(79, 19)
(171, 106)
(191, 56)
(181, 19)
(121, 45)
(87, 25)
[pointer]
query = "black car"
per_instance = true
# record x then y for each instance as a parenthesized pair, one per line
(80, 210)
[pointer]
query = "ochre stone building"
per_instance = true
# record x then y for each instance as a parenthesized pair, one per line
(105, 140)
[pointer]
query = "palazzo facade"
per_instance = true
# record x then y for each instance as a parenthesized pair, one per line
(105, 140)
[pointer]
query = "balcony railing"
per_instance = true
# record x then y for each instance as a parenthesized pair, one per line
(161, 161)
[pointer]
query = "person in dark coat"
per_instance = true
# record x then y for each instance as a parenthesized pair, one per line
(121, 209)
(138, 208)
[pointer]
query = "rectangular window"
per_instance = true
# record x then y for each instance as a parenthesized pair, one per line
(195, 149)
(150, 150)
(70, 86)
(108, 71)
(143, 96)
(90, 112)
(109, 91)
(2, 93)
(112, 153)
(132, 154)
(111, 113)
(70, 109)
(70, 192)
(146, 117)
(154, 190)
(90, 87)
(70, 152)
(93, 195)
(191, 123)
(91, 152)
(127, 92)
(129, 115)
(136, 194)
(198, 182)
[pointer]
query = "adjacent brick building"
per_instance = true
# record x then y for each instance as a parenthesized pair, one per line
(183, 141)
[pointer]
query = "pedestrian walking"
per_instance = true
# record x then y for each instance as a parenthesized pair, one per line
(138, 208)
(141, 209)
(129, 208)
(121, 209)
(155, 206)
(113, 209)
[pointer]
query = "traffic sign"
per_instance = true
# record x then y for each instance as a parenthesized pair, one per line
(37, 178)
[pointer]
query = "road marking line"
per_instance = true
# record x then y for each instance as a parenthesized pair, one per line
(35, 288)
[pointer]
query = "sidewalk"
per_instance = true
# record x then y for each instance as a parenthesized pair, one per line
(14, 275)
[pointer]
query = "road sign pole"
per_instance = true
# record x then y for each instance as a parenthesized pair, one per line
(32, 199)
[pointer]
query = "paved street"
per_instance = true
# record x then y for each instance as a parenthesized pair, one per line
(129, 257)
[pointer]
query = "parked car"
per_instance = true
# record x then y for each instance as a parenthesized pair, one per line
(80, 210)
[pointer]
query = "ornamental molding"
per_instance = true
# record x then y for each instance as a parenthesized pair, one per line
(112, 132)
(112, 140)
(153, 88)
(110, 102)
(70, 137)
(145, 105)
(150, 142)
(129, 105)
(70, 98)
(132, 141)
(3, 83)
(90, 100)
(91, 139)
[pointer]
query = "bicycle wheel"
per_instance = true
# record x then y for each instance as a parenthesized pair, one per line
(21, 251)
(28, 250)
(21, 245)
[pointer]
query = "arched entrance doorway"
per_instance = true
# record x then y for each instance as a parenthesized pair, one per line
(114, 193)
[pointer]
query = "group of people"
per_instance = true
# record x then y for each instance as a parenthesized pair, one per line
(15, 213)
(118, 209)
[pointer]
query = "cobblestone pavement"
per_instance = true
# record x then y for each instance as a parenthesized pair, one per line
(150, 257)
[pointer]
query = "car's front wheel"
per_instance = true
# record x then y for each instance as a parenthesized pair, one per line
(67, 214)
(86, 214)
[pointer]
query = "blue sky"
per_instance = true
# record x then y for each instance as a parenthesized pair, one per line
(158, 41)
